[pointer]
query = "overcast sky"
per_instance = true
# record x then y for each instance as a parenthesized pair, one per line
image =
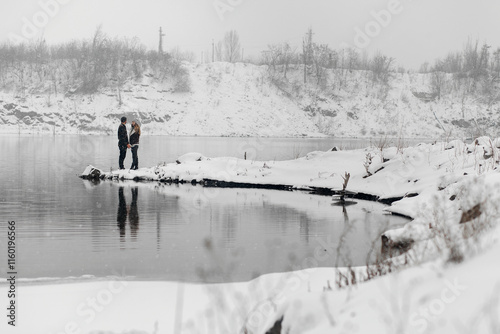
(414, 30)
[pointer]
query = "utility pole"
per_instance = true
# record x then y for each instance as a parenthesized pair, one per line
(213, 51)
(305, 59)
(307, 50)
(310, 39)
(160, 45)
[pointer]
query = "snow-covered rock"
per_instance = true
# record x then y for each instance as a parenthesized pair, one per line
(190, 157)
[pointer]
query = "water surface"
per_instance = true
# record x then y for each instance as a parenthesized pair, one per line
(71, 227)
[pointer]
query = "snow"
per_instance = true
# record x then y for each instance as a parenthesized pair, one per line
(396, 172)
(424, 299)
(242, 100)
(432, 291)
(430, 298)
(190, 157)
(88, 170)
(116, 305)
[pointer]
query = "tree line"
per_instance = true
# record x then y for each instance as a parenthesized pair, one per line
(85, 66)
(474, 70)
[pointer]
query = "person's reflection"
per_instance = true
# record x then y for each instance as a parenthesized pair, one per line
(133, 214)
(121, 216)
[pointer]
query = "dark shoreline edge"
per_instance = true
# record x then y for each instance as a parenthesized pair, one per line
(212, 183)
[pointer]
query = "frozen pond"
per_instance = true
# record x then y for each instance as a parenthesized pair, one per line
(71, 227)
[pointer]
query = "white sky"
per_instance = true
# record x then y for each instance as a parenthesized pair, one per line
(420, 30)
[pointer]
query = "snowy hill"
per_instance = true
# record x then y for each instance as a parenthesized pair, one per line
(227, 99)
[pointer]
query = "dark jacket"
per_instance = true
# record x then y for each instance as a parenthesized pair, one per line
(134, 138)
(122, 136)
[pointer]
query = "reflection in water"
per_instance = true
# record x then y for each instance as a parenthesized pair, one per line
(121, 216)
(133, 215)
(124, 211)
(68, 225)
(343, 249)
(158, 231)
(304, 227)
(250, 232)
(346, 216)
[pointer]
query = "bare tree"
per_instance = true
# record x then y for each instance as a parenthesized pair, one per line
(119, 68)
(495, 63)
(232, 47)
(424, 68)
(453, 62)
(320, 57)
(381, 66)
(271, 57)
(39, 57)
(438, 78)
(95, 64)
(85, 66)
(475, 64)
(218, 51)
(353, 59)
(137, 52)
(281, 55)
(364, 63)
(307, 50)
(178, 55)
(288, 54)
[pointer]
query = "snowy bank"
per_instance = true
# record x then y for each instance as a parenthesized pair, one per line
(239, 99)
(431, 298)
(386, 173)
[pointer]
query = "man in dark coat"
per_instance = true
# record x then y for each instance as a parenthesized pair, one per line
(123, 143)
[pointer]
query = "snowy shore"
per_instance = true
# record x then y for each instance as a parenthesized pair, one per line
(448, 281)
(381, 173)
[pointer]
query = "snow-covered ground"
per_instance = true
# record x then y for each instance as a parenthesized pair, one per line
(448, 282)
(242, 100)
(430, 298)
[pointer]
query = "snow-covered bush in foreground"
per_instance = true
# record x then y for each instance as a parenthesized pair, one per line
(456, 225)
(456, 290)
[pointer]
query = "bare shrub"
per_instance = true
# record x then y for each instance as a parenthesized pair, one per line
(381, 66)
(182, 79)
(231, 46)
(456, 236)
(381, 144)
(367, 163)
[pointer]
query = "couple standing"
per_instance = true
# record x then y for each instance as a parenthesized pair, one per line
(124, 143)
